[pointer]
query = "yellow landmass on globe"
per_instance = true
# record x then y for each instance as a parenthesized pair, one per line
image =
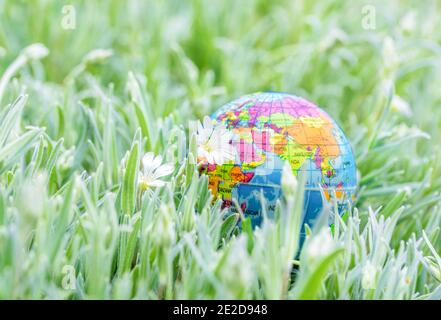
(296, 154)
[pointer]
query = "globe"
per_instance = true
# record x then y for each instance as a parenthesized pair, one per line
(267, 129)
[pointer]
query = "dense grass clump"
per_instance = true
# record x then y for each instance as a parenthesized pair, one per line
(88, 89)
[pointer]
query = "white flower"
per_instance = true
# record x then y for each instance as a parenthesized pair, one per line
(35, 51)
(320, 246)
(369, 276)
(289, 181)
(152, 170)
(214, 144)
(32, 197)
(408, 22)
(402, 106)
(97, 56)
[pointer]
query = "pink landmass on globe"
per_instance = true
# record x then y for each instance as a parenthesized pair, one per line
(318, 158)
(247, 152)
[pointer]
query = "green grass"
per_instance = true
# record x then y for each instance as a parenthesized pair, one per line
(75, 121)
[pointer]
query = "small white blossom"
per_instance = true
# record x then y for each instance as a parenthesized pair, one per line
(402, 106)
(152, 170)
(369, 276)
(164, 233)
(32, 196)
(320, 246)
(35, 51)
(214, 143)
(390, 55)
(238, 270)
(97, 56)
(409, 22)
(289, 181)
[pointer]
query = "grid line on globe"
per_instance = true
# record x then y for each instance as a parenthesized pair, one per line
(270, 128)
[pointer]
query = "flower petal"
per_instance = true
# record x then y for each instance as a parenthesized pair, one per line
(157, 183)
(163, 171)
(210, 158)
(218, 158)
(208, 124)
(147, 159)
(157, 161)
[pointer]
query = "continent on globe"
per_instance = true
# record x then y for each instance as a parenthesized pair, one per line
(269, 128)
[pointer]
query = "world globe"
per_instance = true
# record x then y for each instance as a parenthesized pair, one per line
(267, 129)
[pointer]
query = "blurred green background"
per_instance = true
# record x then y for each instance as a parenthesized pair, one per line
(373, 65)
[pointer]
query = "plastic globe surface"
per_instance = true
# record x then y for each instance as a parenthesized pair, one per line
(266, 129)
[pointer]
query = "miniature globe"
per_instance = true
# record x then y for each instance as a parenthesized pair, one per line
(266, 129)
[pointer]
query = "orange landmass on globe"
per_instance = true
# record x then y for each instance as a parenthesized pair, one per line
(312, 138)
(338, 192)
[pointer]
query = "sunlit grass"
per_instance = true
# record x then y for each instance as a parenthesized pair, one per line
(79, 108)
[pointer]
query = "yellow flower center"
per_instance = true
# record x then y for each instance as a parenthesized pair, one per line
(143, 185)
(207, 147)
